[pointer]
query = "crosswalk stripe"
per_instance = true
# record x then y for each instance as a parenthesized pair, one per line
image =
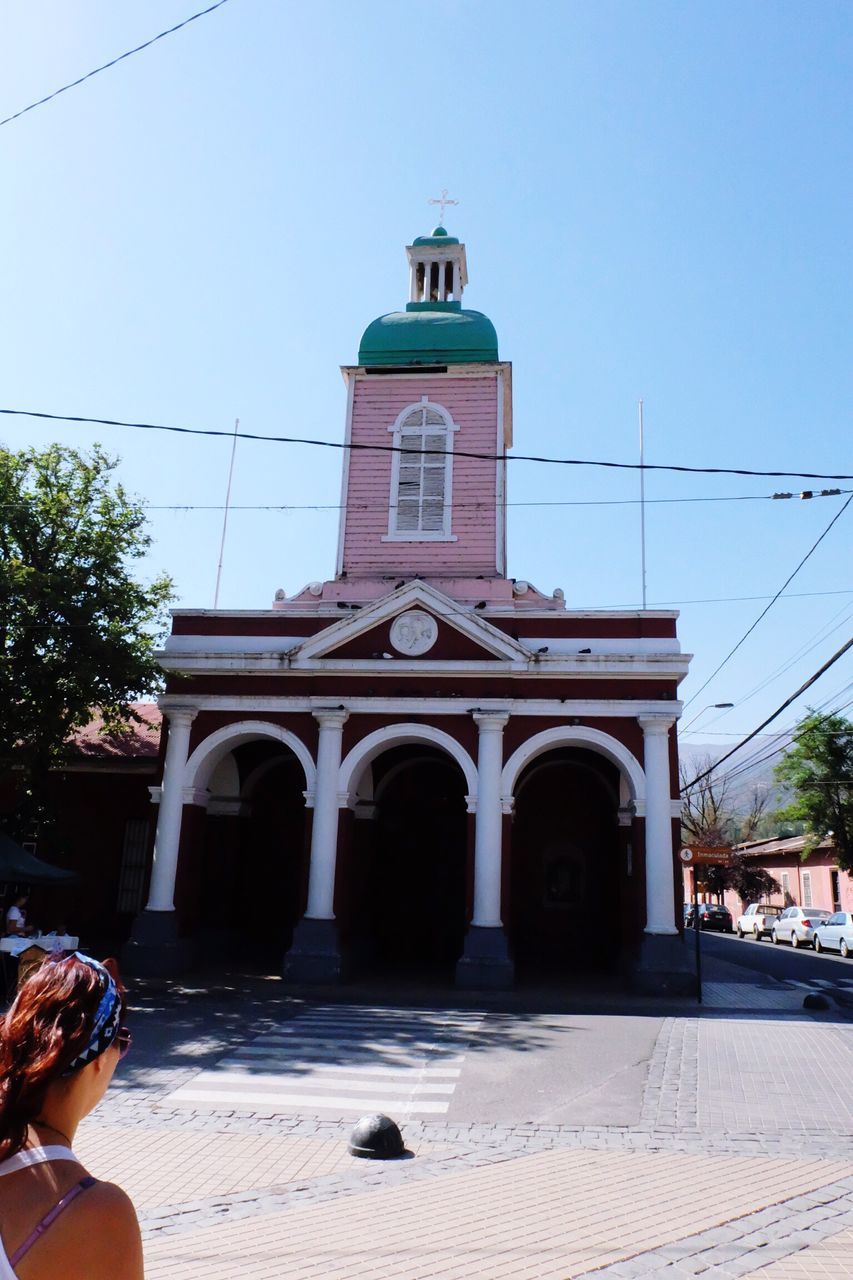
(262, 1082)
(358, 1059)
(366, 1069)
(294, 1101)
(359, 1044)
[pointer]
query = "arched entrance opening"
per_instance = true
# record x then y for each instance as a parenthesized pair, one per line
(253, 869)
(409, 865)
(566, 898)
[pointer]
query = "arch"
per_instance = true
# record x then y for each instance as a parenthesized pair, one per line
(224, 779)
(548, 761)
(396, 769)
(576, 736)
(208, 753)
(260, 772)
(399, 735)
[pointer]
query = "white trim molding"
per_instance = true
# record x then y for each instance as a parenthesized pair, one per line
(583, 708)
(396, 735)
(411, 594)
(342, 523)
(575, 736)
(210, 750)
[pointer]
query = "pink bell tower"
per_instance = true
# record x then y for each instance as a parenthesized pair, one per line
(428, 426)
(429, 383)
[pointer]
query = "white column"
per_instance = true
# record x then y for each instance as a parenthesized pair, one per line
(324, 832)
(427, 282)
(457, 282)
(442, 280)
(167, 841)
(660, 907)
(413, 282)
(488, 829)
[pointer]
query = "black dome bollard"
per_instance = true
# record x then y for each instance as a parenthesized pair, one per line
(376, 1138)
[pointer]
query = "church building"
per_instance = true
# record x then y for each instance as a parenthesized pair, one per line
(420, 765)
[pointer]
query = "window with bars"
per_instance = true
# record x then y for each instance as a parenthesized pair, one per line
(421, 475)
(807, 889)
(133, 865)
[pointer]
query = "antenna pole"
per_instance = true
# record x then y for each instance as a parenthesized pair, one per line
(225, 515)
(642, 507)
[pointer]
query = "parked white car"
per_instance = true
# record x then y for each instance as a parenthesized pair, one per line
(797, 925)
(757, 920)
(836, 934)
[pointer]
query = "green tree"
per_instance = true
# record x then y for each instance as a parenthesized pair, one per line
(818, 770)
(77, 630)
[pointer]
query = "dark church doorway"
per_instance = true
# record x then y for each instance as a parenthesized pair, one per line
(410, 863)
(255, 868)
(565, 907)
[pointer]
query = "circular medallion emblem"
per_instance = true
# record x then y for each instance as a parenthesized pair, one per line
(414, 632)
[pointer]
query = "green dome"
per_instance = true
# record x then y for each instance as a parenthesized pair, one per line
(438, 236)
(429, 333)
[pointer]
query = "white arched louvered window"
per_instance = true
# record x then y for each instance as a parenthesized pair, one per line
(421, 474)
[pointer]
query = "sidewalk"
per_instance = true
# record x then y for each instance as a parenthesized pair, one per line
(741, 1164)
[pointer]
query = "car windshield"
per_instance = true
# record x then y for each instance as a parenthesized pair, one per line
(821, 915)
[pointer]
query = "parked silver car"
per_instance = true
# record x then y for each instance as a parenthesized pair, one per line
(836, 934)
(797, 925)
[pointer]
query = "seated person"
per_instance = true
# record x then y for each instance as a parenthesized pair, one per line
(16, 916)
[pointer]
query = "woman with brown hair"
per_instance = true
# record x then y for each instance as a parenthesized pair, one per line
(59, 1045)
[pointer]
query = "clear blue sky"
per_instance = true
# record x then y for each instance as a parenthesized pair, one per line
(656, 200)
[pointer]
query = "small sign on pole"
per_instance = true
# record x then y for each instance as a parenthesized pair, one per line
(708, 854)
(695, 856)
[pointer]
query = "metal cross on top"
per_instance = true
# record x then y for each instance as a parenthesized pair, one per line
(444, 201)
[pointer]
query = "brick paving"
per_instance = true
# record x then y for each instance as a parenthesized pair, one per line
(828, 1258)
(741, 1164)
(555, 1214)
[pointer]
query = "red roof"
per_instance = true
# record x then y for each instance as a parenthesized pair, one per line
(134, 741)
(785, 844)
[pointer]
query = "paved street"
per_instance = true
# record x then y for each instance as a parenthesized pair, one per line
(576, 1139)
(782, 961)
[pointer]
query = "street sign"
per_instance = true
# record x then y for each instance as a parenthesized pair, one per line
(717, 855)
(686, 855)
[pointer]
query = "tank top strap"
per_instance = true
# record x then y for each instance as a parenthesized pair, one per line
(61, 1205)
(33, 1156)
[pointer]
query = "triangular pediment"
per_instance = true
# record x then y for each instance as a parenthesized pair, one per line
(415, 622)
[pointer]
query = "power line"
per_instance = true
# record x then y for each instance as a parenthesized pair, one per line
(666, 604)
(783, 737)
(753, 761)
(770, 605)
(487, 505)
(457, 453)
(801, 652)
(130, 52)
(659, 604)
(755, 732)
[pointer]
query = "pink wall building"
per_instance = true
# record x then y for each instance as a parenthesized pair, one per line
(815, 882)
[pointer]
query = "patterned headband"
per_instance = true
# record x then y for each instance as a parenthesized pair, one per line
(105, 1025)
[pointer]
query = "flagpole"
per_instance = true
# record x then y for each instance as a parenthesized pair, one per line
(225, 515)
(642, 507)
